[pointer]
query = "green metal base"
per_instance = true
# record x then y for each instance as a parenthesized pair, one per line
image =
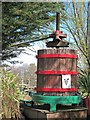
(54, 100)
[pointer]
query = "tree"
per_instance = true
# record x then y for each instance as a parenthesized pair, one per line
(24, 21)
(76, 24)
(88, 33)
(26, 74)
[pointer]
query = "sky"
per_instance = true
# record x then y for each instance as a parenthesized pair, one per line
(28, 56)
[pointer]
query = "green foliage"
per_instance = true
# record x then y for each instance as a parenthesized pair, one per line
(24, 21)
(10, 95)
(84, 86)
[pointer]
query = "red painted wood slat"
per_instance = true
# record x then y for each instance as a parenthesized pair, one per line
(56, 56)
(56, 89)
(53, 72)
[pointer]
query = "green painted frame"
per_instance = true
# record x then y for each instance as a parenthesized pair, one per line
(54, 100)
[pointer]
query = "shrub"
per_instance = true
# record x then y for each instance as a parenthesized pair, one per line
(84, 86)
(10, 95)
